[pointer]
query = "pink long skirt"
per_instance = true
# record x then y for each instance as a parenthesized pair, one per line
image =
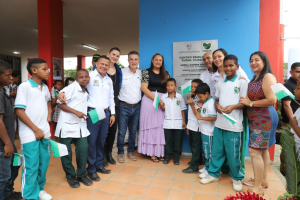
(151, 137)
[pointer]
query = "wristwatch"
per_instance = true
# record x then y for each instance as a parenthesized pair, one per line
(251, 103)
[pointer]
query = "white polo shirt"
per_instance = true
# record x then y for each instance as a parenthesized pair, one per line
(101, 92)
(206, 77)
(216, 77)
(193, 123)
(130, 91)
(34, 100)
(173, 108)
(69, 125)
(229, 93)
(208, 110)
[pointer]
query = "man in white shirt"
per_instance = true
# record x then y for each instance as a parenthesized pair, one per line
(206, 75)
(130, 104)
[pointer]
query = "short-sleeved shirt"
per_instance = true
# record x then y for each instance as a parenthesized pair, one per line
(206, 77)
(153, 80)
(193, 123)
(229, 92)
(291, 85)
(173, 108)
(101, 92)
(34, 101)
(8, 116)
(208, 110)
(69, 125)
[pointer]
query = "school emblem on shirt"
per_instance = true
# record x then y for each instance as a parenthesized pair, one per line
(96, 83)
(204, 110)
(109, 83)
(46, 99)
(236, 90)
(178, 102)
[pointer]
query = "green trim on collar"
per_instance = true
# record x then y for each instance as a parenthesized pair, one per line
(208, 99)
(34, 84)
(233, 79)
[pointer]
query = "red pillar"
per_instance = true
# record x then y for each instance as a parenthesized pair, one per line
(270, 43)
(50, 35)
(80, 62)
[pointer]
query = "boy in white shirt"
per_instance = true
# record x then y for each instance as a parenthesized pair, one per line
(193, 132)
(174, 123)
(72, 127)
(33, 108)
(227, 136)
(207, 119)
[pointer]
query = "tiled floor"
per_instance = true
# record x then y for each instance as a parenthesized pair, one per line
(144, 179)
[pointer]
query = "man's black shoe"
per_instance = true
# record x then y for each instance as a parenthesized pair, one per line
(105, 163)
(14, 196)
(93, 176)
(176, 162)
(189, 171)
(110, 159)
(189, 163)
(102, 170)
(166, 161)
(73, 182)
(85, 180)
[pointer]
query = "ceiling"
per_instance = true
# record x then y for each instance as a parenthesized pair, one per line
(99, 23)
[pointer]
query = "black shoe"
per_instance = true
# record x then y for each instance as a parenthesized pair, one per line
(14, 196)
(102, 170)
(189, 163)
(85, 180)
(93, 176)
(166, 161)
(110, 159)
(176, 162)
(189, 171)
(73, 182)
(105, 163)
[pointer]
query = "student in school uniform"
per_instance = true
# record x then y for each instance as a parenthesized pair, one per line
(193, 132)
(174, 123)
(72, 127)
(33, 108)
(207, 118)
(227, 140)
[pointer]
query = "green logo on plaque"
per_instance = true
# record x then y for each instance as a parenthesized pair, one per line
(206, 46)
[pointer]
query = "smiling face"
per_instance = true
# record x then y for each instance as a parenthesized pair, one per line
(230, 68)
(207, 59)
(40, 70)
(256, 63)
(83, 78)
(58, 85)
(114, 56)
(218, 58)
(133, 61)
(157, 61)
(102, 66)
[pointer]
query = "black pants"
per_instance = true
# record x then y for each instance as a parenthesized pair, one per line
(111, 135)
(174, 138)
(196, 148)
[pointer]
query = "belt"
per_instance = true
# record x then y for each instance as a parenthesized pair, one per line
(130, 105)
(105, 110)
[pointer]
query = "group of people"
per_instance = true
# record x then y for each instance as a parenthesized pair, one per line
(97, 104)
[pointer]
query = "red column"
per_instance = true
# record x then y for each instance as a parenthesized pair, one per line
(80, 62)
(269, 36)
(50, 35)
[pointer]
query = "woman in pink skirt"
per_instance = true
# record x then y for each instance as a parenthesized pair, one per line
(151, 137)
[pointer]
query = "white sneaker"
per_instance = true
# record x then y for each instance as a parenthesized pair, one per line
(43, 195)
(237, 186)
(202, 170)
(203, 175)
(208, 179)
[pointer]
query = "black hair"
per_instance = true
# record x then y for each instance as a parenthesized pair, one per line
(115, 48)
(4, 66)
(16, 73)
(104, 56)
(202, 89)
(96, 57)
(32, 62)
(133, 53)
(215, 68)
(171, 79)
(231, 57)
(162, 70)
(67, 81)
(197, 80)
(294, 65)
(81, 70)
(56, 81)
(267, 66)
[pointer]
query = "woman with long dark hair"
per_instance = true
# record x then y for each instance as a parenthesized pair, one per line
(263, 119)
(151, 137)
